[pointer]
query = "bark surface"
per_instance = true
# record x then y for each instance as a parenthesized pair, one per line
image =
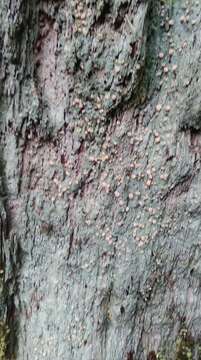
(100, 198)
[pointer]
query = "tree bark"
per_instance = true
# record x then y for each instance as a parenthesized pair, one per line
(100, 201)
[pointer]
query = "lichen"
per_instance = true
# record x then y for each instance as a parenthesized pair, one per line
(4, 332)
(160, 356)
(184, 346)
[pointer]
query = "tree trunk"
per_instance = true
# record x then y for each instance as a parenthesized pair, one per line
(100, 201)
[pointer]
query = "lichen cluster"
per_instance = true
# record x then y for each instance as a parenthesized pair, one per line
(4, 332)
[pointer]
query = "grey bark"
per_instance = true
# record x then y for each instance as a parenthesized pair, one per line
(100, 120)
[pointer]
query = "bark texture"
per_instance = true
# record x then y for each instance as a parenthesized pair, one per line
(100, 198)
